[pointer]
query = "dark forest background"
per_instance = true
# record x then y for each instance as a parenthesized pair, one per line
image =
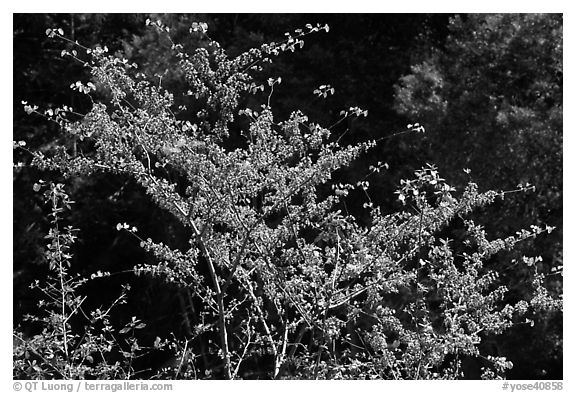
(487, 88)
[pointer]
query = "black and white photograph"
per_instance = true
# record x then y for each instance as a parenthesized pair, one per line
(287, 196)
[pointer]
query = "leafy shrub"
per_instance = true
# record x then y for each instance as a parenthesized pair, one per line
(287, 283)
(491, 99)
(58, 351)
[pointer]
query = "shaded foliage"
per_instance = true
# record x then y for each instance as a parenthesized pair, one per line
(491, 100)
(234, 174)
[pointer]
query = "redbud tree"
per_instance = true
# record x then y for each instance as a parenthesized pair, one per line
(290, 285)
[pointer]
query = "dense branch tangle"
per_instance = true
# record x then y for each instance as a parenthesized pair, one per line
(283, 263)
(140, 136)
